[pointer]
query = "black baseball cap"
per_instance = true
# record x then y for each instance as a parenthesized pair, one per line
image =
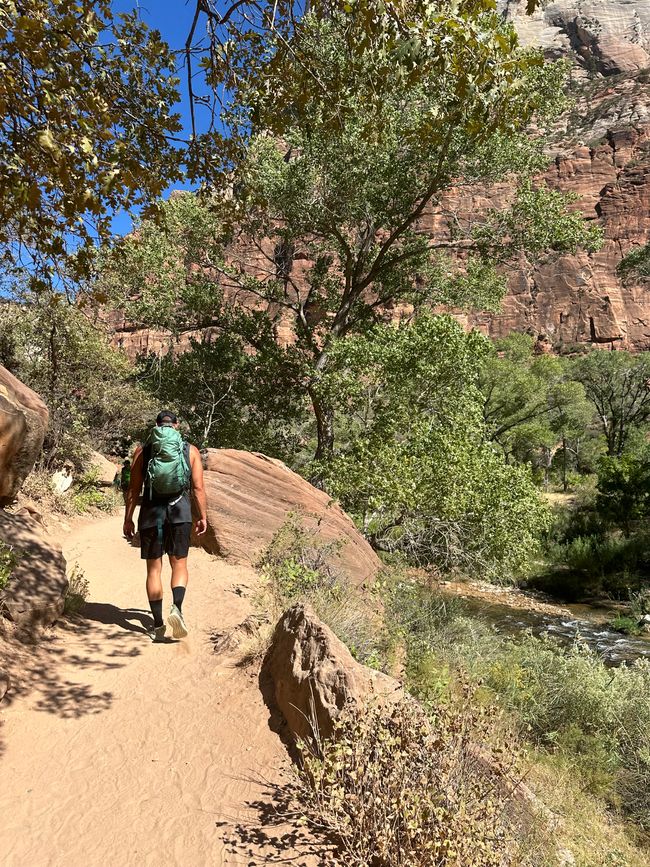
(166, 416)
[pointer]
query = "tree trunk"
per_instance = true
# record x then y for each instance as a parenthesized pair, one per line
(324, 427)
(564, 481)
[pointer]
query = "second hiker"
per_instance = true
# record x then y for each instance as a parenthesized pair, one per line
(171, 473)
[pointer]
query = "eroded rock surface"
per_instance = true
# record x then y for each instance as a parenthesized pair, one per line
(610, 36)
(314, 676)
(249, 498)
(23, 422)
(35, 593)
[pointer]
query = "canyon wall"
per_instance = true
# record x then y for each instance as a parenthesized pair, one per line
(600, 152)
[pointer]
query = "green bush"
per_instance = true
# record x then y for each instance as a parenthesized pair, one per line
(626, 625)
(83, 496)
(584, 557)
(564, 700)
(590, 565)
(299, 566)
(9, 557)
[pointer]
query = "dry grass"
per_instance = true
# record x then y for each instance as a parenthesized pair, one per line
(77, 592)
(594, 836)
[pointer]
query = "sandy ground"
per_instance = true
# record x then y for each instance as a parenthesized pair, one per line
(123, 752)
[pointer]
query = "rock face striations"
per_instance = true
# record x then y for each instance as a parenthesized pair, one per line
(608, 36)
(603, 156)
(250, 497)
(601, 153)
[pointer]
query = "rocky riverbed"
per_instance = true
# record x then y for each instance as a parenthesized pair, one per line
(512, 611)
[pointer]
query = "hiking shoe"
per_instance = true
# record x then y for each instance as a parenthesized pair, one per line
(157, 633)
(175, 620)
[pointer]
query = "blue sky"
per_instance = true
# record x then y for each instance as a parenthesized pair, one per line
(173, 18)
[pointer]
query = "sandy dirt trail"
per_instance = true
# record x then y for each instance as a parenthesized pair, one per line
(123, 752)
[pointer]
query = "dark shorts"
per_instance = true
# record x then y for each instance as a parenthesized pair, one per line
(175, 541)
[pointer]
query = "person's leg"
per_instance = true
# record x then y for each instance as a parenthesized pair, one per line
(178, 544)
(155, 589)
(179, 579)
(151, 550)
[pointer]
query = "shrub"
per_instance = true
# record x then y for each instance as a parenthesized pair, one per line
(297, 562)
(626, 625)
(9, 557)
(563, 700)
(299, 566)
(640, 603)
(584, 558)
(566, 699)
(83, 496)
(437, 634)
(403, 790)
(77, 592)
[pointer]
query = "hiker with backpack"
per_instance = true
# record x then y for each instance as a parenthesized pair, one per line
(169, 473)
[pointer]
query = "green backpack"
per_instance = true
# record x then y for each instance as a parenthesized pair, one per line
(167, 471)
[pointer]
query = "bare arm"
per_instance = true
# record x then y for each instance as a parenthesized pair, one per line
(133, 493)
(198, 490)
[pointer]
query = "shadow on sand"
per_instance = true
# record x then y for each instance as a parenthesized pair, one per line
(43, 668)
(111, 615)
(272, 836)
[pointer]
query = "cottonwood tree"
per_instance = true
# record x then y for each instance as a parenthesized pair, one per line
(532, 407)
(346, 125)
(86, 129)
(413, 463)
(618, 384)
(230, 397)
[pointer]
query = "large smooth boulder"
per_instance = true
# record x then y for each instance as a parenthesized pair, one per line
(249, 497)
(314, 676)
(23, 422)
(36, 590)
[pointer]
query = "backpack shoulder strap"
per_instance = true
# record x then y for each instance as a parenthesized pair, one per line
(186, 455)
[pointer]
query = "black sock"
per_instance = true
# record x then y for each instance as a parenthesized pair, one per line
(178, 593)
(156, 610)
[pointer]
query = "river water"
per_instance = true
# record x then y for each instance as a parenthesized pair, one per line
(585, 623)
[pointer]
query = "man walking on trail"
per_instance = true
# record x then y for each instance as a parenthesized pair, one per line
(171, 472)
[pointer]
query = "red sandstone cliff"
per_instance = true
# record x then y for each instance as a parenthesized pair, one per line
(601, 153)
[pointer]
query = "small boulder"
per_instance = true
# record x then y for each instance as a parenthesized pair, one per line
(249, 497)
(314, 676)
(23, 422)
(4, 684)
(36, 590)
(104, 469)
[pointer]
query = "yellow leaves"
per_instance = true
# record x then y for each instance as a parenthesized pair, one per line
(47, 142)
